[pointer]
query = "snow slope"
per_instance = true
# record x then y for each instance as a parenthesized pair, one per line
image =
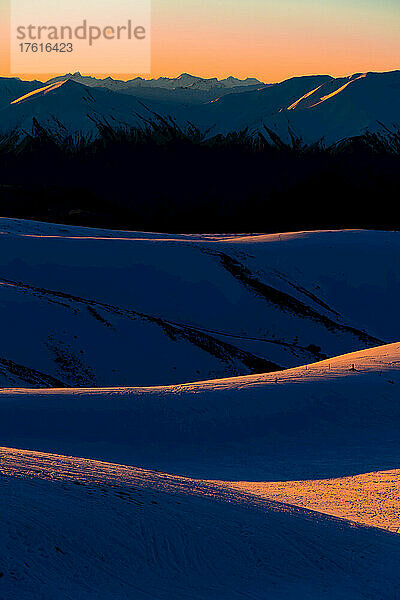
(132, 520)
(13, 87)
(326, 420)
(74, 528)
(78, 528)
(75, 106)
(370, 498)
(98, 308)
(364, 101)
(314, 107)
(253, 108)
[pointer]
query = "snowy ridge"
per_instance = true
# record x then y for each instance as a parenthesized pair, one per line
(39, 92)
(185, 80)
(121, 481)
(314, 107)
(149, 533)
(369, 499)
(197, 429)
(233, 305)
(70, 529)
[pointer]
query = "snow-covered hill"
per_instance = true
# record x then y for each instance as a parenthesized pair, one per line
(76, 107)
(334, 418)
(350, 107)
(12, 88)
(371, 499)
(74, 528)
(263, 106)
(89, 307)
(314, 107)
(100, 489)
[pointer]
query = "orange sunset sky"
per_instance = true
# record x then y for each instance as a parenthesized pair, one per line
(267, 39)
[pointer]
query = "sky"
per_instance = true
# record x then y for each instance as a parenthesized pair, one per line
(268, 39)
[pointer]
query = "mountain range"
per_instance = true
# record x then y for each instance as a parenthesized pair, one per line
(315, 108)
(184, 81)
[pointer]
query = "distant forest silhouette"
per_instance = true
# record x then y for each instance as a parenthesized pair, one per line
(161, 177)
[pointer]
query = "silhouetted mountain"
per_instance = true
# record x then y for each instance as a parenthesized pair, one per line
(13, 87)
(183, 81)
(314, 107)
(186, 88)
(73, 105)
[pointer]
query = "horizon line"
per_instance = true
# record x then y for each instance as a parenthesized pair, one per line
(125, 78)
